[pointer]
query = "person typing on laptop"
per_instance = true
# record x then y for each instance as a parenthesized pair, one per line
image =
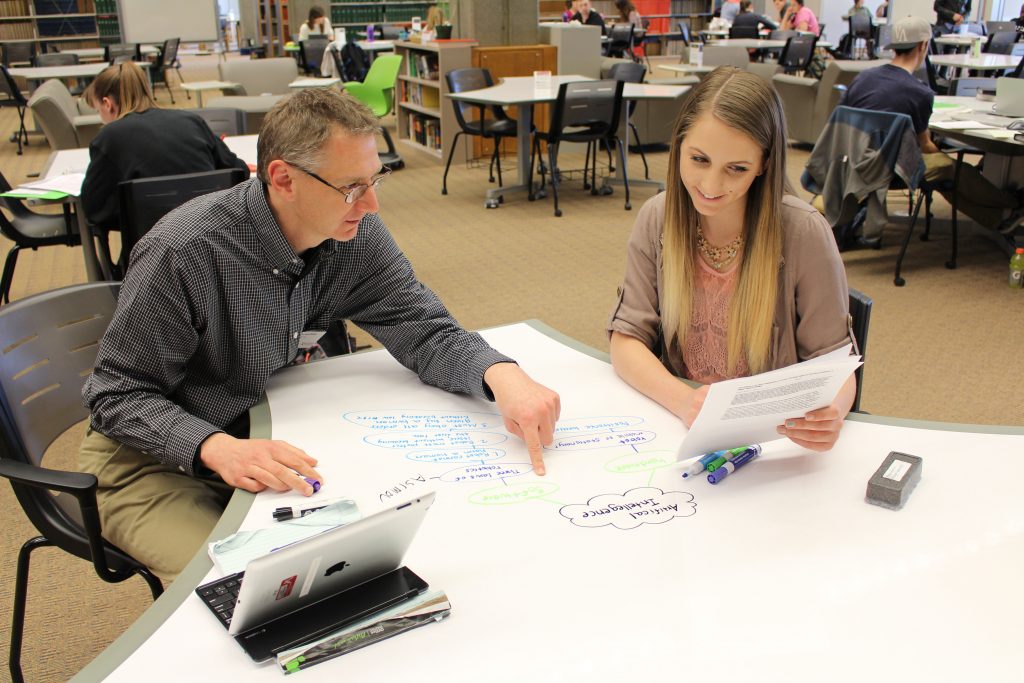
(235, 285)
(892, 87)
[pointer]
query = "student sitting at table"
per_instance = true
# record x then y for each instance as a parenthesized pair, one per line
(628, 14)
(882, 11)
(801, 18)
(316, 25)
(728, 274)
(235, 285)
(747, 17)
(730, 8)
(586, 15)
(858, 9)
(141, 140)
(893, 87)
(570, 10)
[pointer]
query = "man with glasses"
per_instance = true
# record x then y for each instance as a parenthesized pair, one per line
(235, 285)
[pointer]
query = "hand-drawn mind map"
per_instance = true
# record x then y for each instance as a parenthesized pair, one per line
(458, 448)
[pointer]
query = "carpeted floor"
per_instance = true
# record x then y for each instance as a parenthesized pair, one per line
(945, 347)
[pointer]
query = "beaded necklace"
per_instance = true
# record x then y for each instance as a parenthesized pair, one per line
(718, 257)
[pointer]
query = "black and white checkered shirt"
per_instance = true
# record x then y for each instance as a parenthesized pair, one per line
(215, 301)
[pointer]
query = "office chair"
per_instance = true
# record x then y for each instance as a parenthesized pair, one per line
(166, 61)
(860, 313)
(377, 91)
(585, 111)
(11, 96)
(620, 41)
(144, 201)
(311, 51)
(49, 344)
(116, 53)
(744, 32)
(1000, 43)
(631, 73)
(861, 28)
(18, 53)
(497, 127)
(30, 230)
(223, 121)
(683, 35)
(798, 53)
(61, 59)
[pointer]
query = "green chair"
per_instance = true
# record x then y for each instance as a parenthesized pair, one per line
(377, 91)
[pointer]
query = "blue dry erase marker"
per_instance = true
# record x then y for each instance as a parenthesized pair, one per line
(700, 464)
(734, 464)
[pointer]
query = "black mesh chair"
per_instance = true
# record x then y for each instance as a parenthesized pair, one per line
(224, 121)
(145, 201)
(11, 96)
(861, 28)
(1000, 43)
(473, 119)
(750, 32)
(585, 111)
(18, 53)
(631, 73)
(860, 312)
(167, 60)
(49, 344)
(798, 53)
(115, 53)
(61, 59)
(30, 230)
(1019, 71)
(620, 41)
(312, 52)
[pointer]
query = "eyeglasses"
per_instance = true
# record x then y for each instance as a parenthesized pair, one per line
(352, 192)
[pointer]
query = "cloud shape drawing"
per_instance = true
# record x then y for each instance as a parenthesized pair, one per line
(645, 505)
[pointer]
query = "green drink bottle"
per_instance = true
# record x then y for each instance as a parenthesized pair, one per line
(1017, 269)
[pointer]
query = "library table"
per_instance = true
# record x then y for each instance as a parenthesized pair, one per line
(520, 92)
(612, 567)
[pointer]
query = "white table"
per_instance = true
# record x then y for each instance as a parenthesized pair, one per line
(519, 91)
(957, 39)
(98, 52)
(983, 62)
(314, 82)
(750, 43)
(199, 87)
(781, 573)
(687, 68)
(84, 71)
(372, 47)
(67, 161)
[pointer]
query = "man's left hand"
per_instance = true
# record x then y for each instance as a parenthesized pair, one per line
(530, 410)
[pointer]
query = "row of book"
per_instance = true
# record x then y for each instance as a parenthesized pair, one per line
(402, 13)
(17, 31)
(106, 6)
(13, 8)
(424, 65)
(108, 27)
(426, 130)
(357, 15)
(425, 96)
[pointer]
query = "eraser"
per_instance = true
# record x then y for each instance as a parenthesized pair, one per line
(895, 478)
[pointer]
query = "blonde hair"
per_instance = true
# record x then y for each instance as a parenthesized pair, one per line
(297, 128)
(126, 84)
(746, 103)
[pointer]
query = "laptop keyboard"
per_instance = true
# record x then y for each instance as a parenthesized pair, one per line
(221, 595)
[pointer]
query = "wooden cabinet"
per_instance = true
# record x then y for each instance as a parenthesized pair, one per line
(514, 60)
(426, 119)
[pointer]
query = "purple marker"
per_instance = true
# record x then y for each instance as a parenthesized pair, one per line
(312, 482)
(734, 464)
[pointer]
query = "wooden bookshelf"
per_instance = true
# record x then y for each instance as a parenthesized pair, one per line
(426, 119)
(360, 13)
(67, 23)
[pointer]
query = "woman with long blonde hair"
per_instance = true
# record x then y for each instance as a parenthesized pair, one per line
(727, 273)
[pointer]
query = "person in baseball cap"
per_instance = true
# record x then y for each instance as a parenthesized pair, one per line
(894, 87)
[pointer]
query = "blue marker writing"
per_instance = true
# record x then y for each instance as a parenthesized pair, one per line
(734, 464)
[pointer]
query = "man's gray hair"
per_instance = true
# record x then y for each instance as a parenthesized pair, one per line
(297, 129)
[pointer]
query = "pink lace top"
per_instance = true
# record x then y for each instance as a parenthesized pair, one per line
(706, 354)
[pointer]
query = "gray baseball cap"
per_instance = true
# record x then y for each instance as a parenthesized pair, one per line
(909, 32)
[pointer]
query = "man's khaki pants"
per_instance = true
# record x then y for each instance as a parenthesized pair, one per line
(155, 513)
(976, 196)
